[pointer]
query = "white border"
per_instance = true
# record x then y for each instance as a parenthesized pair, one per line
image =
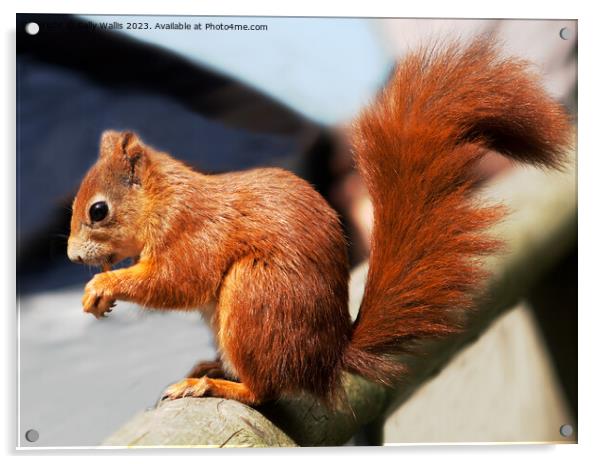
(589, 181)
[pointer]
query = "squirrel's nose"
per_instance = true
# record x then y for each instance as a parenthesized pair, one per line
(75, 258)
(73, 255)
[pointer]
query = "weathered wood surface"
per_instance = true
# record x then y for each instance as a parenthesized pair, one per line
(200, 422)
(541, 227)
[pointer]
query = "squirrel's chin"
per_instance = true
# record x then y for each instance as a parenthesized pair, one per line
(107, 262)
(104, 262)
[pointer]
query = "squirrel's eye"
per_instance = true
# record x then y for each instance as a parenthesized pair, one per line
(99, 211)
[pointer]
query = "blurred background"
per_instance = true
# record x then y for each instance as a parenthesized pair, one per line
(229, 100)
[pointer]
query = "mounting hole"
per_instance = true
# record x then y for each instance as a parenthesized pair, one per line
(566, 430)
(32, 28)
(32, 435)
(565, 33)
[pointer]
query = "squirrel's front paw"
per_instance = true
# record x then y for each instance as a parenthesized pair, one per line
(98, 298)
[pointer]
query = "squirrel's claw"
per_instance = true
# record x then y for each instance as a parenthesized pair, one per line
(97, 300)
(188, 387)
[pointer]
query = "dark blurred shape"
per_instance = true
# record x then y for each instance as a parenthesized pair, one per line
(555, 304)
(74, 82)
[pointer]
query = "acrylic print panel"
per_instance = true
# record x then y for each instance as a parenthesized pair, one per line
(237, 94)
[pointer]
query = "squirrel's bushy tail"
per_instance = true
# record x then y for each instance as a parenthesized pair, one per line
(416, 148)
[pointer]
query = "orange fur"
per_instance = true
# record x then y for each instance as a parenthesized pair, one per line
(416, 148)
(267, 253)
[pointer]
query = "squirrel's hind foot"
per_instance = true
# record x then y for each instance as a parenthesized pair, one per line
(205, 387)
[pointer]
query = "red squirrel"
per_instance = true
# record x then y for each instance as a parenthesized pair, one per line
(264, 256)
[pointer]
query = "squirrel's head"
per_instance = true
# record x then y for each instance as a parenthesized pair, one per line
(109, 208)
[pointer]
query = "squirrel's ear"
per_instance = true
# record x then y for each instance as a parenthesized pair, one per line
(108, 142)
(135, 154)
(126, 148)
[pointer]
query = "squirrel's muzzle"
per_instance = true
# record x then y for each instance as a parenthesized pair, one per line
(73, 252)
